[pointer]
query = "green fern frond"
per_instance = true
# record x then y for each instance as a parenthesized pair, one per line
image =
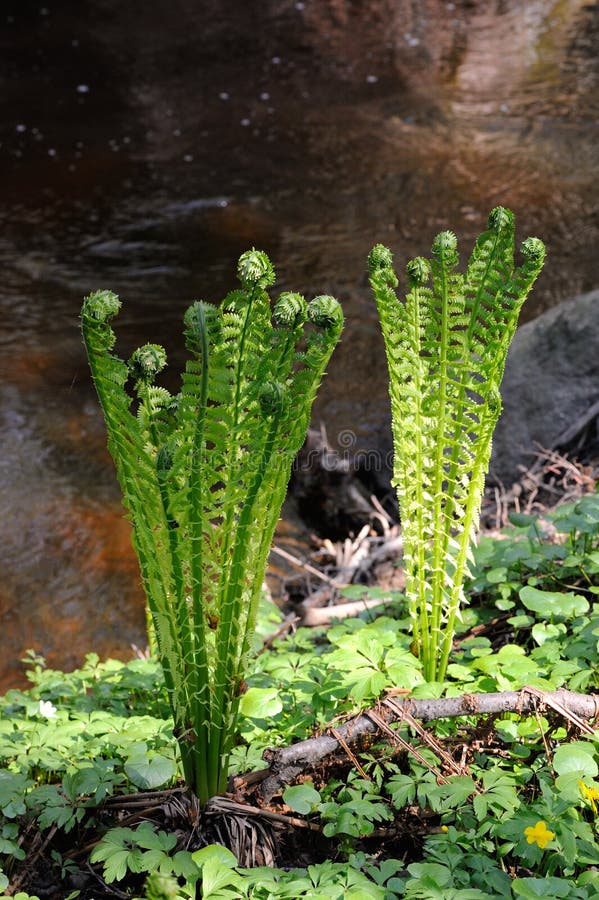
(446, 348)
(204, 475)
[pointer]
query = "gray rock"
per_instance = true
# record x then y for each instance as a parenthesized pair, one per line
(551, 380)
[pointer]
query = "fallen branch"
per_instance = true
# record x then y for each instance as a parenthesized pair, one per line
(301, 564)
(324, 615)
(287, 763)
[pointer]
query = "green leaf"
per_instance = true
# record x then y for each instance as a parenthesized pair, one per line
(215, 853)
(575, 757)
(149, 838)
(454, 794)
(13, 787)
(149, 770)
(217, 871)
(522, 520)
(440, 875)
(547, 631)
(548, 888)
(260, 703)
(497, 575)
(116, 866)
(550, 604)
(402, 790)
(303, 798)
(520, 621)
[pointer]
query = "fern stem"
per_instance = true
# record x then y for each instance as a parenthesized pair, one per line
(228, 674)
(479, 468)
(229, 478)
(417, 591)
(431, 636)
(283, 370)
(199, 670)
(215, 766)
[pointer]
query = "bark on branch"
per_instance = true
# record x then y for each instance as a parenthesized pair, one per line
(287, 763)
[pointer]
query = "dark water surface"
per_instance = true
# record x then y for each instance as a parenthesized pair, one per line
(143, 149)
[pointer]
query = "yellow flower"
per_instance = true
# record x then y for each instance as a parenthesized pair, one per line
(591, 794)
(540, 835)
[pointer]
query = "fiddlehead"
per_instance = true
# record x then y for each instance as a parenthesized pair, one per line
(147, 362)
(290, 310)
(418, 271)
(255, 269)
(445, 249)
(325, 312)
(271, 398)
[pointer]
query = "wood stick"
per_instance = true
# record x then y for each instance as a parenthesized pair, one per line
(296, 561)
(324, 615)
(287, 763)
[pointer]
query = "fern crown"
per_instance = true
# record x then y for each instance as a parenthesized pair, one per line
(204, 475)
(446, 348)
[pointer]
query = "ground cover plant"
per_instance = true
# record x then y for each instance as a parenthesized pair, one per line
(502, 806)
(94, 796)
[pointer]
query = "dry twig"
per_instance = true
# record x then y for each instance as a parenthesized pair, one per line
(287, 763)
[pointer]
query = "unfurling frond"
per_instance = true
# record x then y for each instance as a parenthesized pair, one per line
(533, 250)
(325, 312)
(147, 362)
(290, 310)
(255, 268)
(380, 257)
(272, 398)
(445, 248)
(204, 476)
(101, 306)
(499, 218)
(446, 349)
(418, 270)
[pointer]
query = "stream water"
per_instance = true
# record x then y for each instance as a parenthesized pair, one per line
(144, 149)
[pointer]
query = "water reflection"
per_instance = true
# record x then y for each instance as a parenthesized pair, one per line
(149, 168)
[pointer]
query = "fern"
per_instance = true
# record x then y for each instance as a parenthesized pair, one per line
(446, 349)
(204, 474)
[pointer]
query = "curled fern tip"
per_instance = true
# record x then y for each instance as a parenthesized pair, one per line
(147, 362)
(198, 314)
(271, 398)
(255, 268)
(101, 306)
(499, 218)
(418, 270)
(380, 257)
(533, 250)
(445, 245)
(290, 310)
(325, 312)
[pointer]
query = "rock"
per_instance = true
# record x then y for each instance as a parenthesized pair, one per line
(551, 381)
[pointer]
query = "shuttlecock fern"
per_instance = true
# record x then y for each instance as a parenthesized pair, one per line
(446, 349)
(204, 474)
